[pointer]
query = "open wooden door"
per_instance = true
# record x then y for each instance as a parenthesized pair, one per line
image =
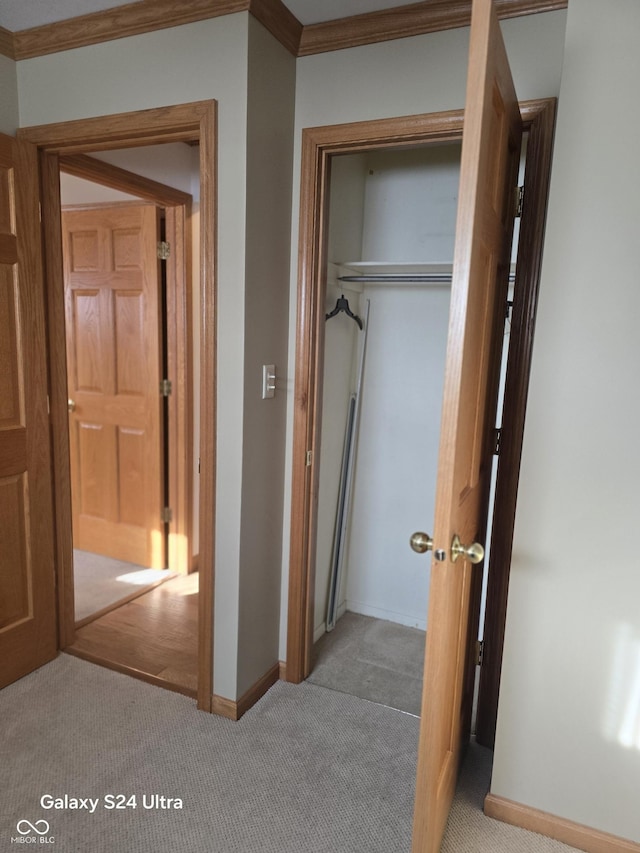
(27, 583)
(113, 330)
(486, 207)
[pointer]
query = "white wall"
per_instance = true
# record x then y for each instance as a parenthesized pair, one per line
(397, 454)
(403, 77)
(207, 59)
(8, 96)
(271, 87)
(78, 191)
(568, 738)
(410, 205)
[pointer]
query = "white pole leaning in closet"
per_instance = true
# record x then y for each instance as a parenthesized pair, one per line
(346, 486)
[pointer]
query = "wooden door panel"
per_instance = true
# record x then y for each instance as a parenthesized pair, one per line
(10, 369)
(131, 476)
(113, 344)
(90, 354)
(94, 451)
(486, 206)
(84, 251)
(27, 585)
(16, 579)
(129, 344)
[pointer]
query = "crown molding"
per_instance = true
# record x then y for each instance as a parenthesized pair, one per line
(404, 21)
(132, 19)
(148, 15)
(280, 22)
(6, 43)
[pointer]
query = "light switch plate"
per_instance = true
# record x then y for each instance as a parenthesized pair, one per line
(268, 381)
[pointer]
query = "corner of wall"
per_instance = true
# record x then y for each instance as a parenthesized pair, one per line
(270, 114)
(9, 110)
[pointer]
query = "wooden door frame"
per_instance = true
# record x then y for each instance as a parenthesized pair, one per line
(177, 207)
(318, 146)
(194, 122)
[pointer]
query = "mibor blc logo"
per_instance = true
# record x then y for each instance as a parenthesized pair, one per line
(33, 833)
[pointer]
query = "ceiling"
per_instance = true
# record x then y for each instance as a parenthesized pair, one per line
(18, 15)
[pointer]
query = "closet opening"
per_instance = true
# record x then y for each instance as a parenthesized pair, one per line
(392, 218)
(377, 224)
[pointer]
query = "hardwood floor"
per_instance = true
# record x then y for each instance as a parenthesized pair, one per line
(154, 637)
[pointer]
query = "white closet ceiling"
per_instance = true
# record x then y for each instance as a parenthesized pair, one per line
(18, 15)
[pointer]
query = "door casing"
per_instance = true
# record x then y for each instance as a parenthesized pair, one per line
(318, 146)
(194, 122)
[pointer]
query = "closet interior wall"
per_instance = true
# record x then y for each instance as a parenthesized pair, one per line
(394, 208)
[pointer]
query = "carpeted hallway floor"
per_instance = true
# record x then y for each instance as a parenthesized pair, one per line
(307, 770)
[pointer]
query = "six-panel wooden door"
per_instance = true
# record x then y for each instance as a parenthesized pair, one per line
(27, 583)
(112, 306)
(484, 227)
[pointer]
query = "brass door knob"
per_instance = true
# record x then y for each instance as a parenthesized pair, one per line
(71, 405)
(421, 542)
(474, 552)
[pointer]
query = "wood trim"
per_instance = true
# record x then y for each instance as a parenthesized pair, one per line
(110, 24)
(282, 665)
(318, 145)
(180, 373)
(208, 398)
(196, 121)
(574, 834)
(179, 123)
(226, 708)
(523, 321)
(257, 690)
(57, 361)
(234, 710)
(7, 46)
(281, 23)
(132, 671)
(404, 21)
(149, 15)
(99, 172)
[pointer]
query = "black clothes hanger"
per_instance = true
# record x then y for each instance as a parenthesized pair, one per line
(343, 305)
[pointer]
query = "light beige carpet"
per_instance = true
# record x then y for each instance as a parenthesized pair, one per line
(374, 659)
(307, 770)
(101, 581)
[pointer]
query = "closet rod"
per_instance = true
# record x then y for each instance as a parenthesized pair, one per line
(431, 278)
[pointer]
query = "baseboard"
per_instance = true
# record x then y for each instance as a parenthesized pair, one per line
(405, 619)
(574, 834)
(234, 710)
(282, 670)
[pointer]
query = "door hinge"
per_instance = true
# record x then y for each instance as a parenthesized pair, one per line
(519, 200)
(309, 458)
(497, 441)
(167, 514)
(164, 250)
(479, 652)
(165, 388)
